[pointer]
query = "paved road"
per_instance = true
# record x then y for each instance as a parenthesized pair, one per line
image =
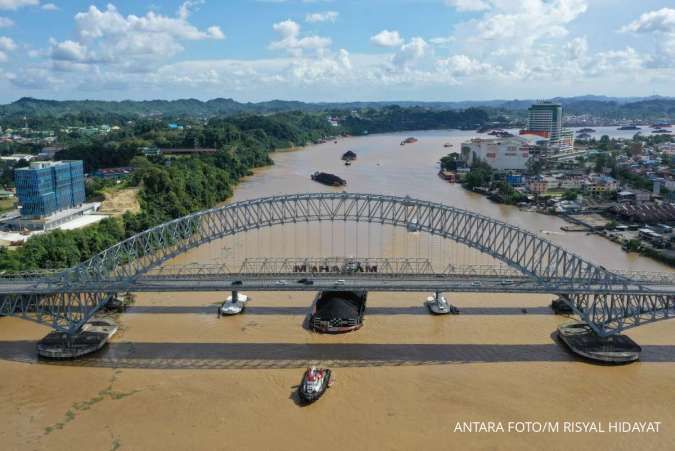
(290, 282)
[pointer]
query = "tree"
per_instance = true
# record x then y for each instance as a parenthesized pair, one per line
(570, 195)
(449, 162)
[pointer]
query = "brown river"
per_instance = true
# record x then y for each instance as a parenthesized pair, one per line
(178, 377)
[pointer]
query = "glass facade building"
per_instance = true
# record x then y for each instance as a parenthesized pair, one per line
(47, 187)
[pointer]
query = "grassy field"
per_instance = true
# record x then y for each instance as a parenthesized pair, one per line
(7, 204)
(118, 201)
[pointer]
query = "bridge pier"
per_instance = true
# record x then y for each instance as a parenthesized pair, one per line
(91, 337)
(582, 340)
(233, 305)
(438, 305)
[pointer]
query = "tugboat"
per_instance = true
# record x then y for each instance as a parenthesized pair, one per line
(410, 140)
(582, 340)
(314, 384)
(328, 179)
(234, 307)
(348, 163)
(446, 145)
(94, 334)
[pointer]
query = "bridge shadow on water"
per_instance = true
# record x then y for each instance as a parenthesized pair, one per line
(143, 355)
(301, 311)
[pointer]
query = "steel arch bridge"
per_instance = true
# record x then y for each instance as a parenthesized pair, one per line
(609, 302)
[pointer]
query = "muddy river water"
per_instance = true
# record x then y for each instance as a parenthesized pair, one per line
(177, 377)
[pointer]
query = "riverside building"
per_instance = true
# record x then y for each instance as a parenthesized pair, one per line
(45, 188)
(499, 153)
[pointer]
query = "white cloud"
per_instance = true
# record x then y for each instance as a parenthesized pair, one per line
(290, 40)
(131, 42)
(7, 44)
(527, 21)
(6, 22)
(505, 45)
(464, 66)
(326, 16)
(33, 78)
(576, 49)
(626, 62)
(410, 52)
(386, 38)
(69, 51)
(50, 7)
(442, 41)
(16, 4)
(469, 5)
(662, 20)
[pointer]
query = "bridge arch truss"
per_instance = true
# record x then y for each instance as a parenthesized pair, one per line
(524, 251)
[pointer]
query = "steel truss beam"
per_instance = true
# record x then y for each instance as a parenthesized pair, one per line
(521, 250)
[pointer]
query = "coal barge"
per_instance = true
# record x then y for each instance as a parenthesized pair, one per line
(349, 156)
(338, 311)
(328, 179)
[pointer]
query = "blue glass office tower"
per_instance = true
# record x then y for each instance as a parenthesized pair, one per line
(47, 187)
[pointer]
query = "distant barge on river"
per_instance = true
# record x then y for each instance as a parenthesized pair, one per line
(328, 179)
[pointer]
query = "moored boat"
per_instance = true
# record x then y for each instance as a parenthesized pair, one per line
(582, 340)
(314, 383)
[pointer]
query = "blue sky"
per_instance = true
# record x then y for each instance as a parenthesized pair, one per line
(335, 50)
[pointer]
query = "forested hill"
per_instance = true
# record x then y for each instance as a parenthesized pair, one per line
(600, 106)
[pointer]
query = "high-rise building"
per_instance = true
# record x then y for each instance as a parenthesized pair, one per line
(47, 187)
(546, 120)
